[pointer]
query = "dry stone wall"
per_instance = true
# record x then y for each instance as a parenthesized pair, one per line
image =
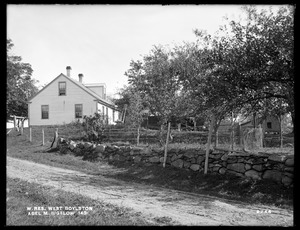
(279, 168)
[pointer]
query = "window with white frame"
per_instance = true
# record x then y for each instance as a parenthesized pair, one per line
(62, 88)
(78, 110)
(45, 111)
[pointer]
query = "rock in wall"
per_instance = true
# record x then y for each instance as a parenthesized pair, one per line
(276, 167)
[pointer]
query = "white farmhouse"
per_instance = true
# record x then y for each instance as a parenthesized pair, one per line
(65, 100)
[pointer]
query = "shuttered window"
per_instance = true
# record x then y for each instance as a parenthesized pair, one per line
(45, 111)
(78, 110)
(61, 88)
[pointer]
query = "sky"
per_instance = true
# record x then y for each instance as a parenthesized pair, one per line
(99, 41)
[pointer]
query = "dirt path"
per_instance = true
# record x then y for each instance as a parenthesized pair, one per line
(153, 202)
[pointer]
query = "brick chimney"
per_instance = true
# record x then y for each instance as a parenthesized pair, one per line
(80, 77)
(69, 71)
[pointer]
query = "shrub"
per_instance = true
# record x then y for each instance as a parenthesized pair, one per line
(65, 150)
(94, 127)
(78, 152)
(90, 155)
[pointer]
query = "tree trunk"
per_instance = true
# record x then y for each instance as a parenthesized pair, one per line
(54, 142)
(215, 131)
(166, 146)
(124, 117)
(217, 139)
(22, 126)
(138, 135)
(293, 120)
(232, 132)
(161, 134)
(30, 134)
(281, 139)
(209, 142)
(179, 127)
(17, 127)
(241, 137)
(43, 137)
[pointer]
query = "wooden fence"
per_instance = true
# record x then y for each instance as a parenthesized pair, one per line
(148, 136)
(152, 136)
(130, 135)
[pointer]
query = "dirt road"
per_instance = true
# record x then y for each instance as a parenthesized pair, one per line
(153, 202)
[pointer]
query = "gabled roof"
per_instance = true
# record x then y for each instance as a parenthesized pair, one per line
(245, 122)
(80, 85)
(94, 84)
(249, 120)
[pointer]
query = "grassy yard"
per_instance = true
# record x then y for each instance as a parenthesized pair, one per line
(22, 195)
(223, 186)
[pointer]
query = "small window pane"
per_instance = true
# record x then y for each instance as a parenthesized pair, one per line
(62, 88)
(45, 111)
(78, 111)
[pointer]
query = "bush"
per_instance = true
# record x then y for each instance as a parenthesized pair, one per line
(78, 152)
(94, 127)
(90, 155)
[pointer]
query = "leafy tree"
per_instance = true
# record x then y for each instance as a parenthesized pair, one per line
(20, 86)
(94, 127)
(241, 67)
(124, 98)
(254, 57)
(135, 105)
(136, 112)
(207, 93)
(245, 64)
(155, 81)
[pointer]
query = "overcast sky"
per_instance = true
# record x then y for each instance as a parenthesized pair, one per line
(99, 41)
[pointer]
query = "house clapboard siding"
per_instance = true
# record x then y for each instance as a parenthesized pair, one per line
(269, 124)
(62, 107)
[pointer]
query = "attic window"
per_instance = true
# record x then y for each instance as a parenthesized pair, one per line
(62, 88)
(269, 125)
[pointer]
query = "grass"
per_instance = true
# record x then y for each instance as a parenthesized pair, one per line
(223, 186)
(21, 194)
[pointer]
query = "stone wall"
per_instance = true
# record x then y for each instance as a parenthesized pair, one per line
(279, 168)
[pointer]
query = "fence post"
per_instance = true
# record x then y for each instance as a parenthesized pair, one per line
(166, 145)
(146, 136)
(108, 134)
(281, 137)
(241, 136)
(43, 136)
(138, 135)
(14, 121)
(232, 131)
(30, 136)
(212, 121)
(21, 128)
(232, 141)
